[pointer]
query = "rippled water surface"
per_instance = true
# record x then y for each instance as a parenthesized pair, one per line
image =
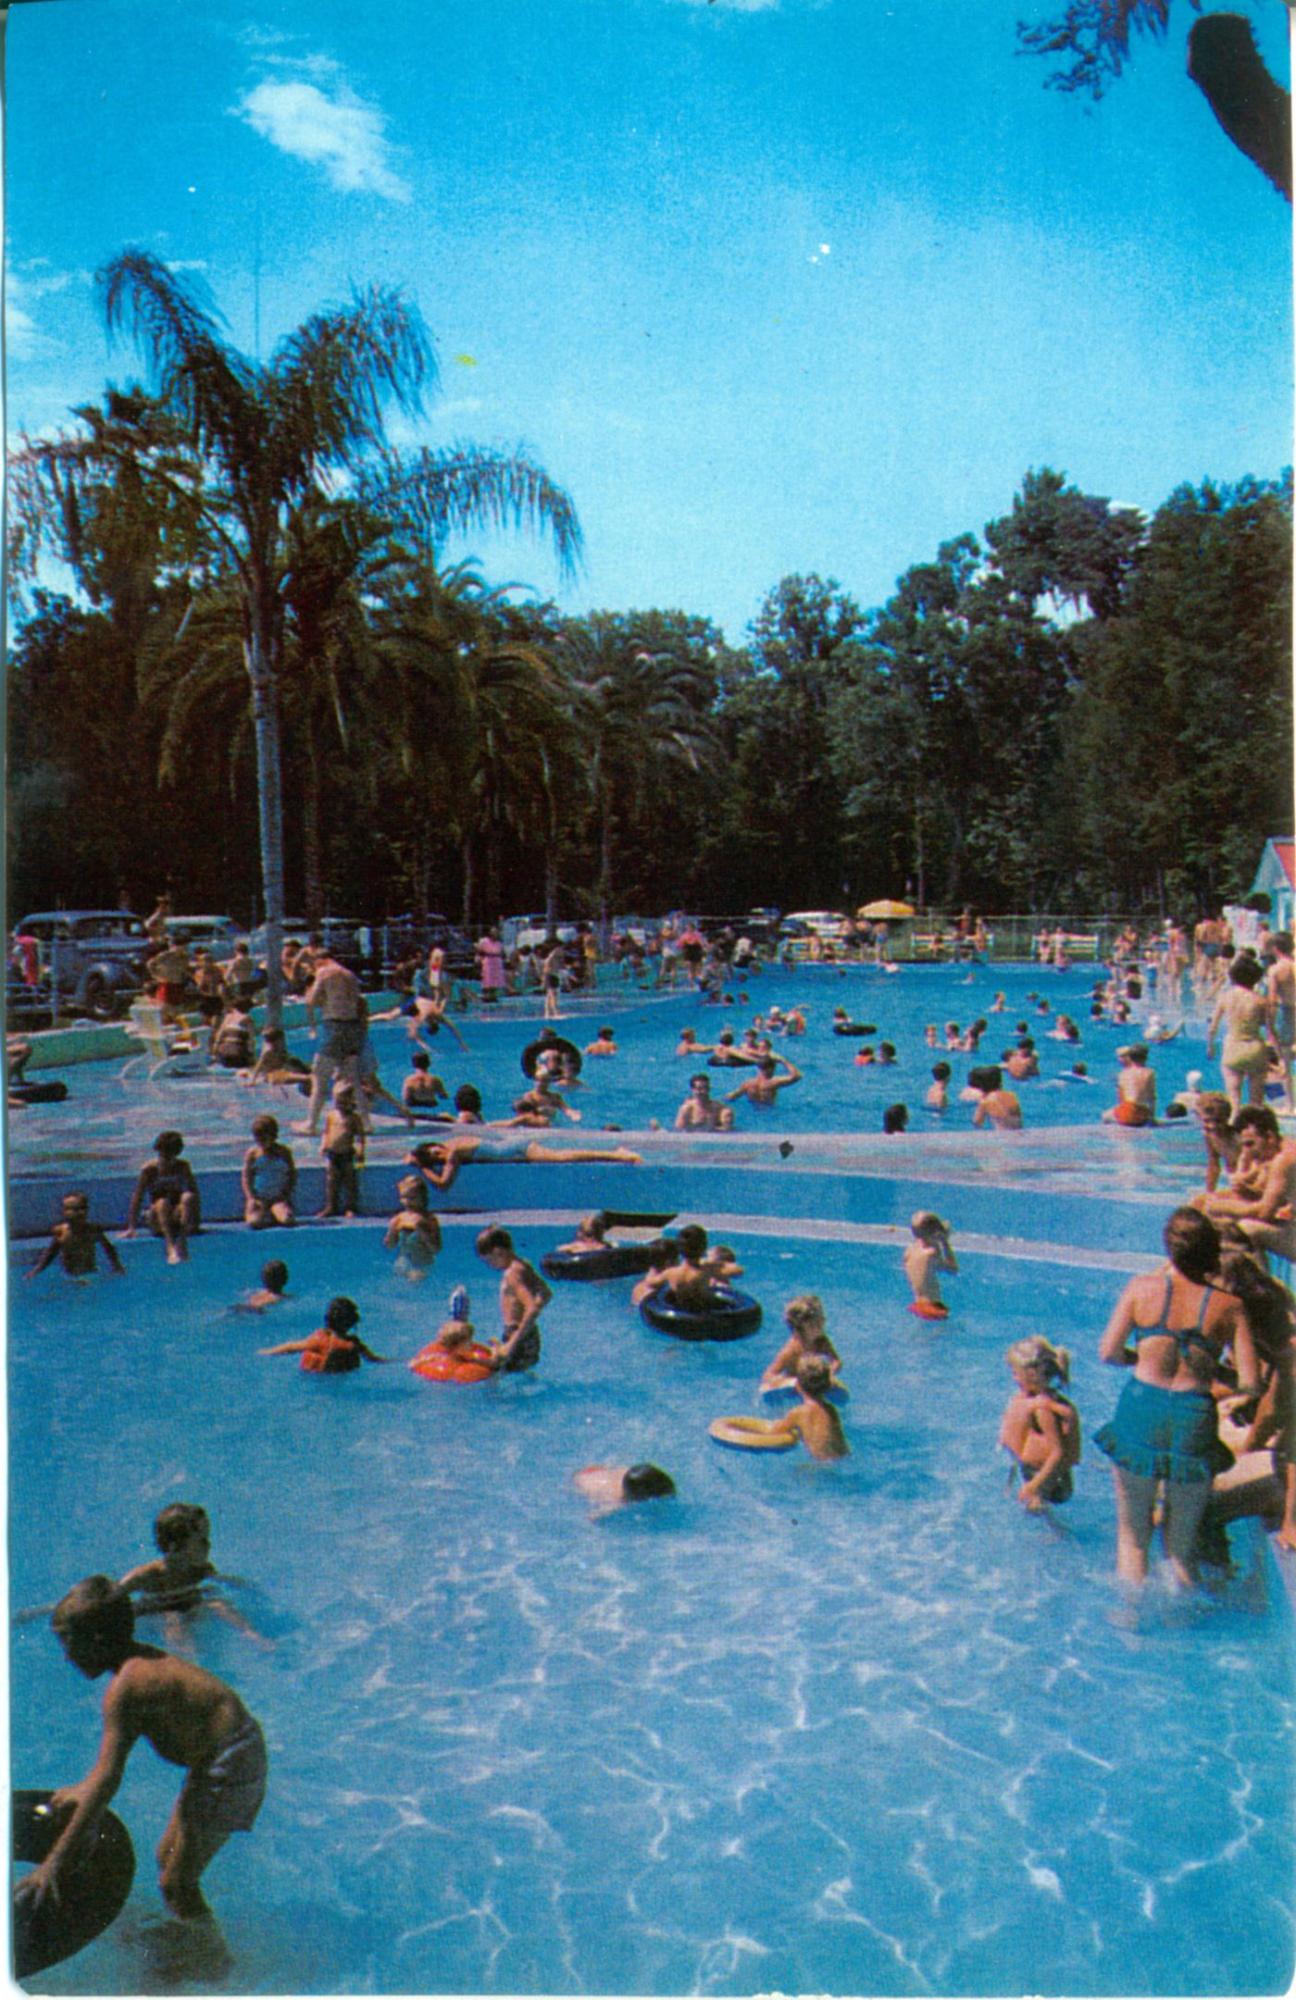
(858, 1728)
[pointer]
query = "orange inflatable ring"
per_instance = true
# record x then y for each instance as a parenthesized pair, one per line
(460, 1364)
(928, 1309)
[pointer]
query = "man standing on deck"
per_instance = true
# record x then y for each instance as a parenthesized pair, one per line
(334, 994)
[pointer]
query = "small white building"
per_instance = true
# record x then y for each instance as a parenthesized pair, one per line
(1276, 877)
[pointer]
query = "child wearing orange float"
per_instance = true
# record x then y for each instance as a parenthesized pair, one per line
(334, 1348)
(1041, 1426)
(454, 1356)
(925, 1258)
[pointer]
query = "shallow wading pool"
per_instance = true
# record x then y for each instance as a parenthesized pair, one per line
(858, 1728)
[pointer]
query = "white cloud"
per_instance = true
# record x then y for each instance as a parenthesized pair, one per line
(25, 285)
(332, 129)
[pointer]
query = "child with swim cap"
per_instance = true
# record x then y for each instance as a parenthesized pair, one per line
(414, 1229)
(1040, 1426)
(455, 1355)
(925, 1258)
(807, 1327)
(814, 1421)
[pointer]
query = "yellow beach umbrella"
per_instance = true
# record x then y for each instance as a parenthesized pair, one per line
(886, 910)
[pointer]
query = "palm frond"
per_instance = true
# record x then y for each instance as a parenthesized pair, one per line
(328, 381)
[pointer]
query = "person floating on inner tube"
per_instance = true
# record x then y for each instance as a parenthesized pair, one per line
(926, 1257)
(686, 1282)
(590, 1235)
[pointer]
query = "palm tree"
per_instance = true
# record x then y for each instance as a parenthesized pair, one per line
(261, 439)
(644, 716)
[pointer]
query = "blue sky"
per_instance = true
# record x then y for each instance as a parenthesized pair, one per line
(768, 285)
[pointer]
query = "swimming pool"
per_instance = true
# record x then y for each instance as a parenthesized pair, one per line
(854, 1728)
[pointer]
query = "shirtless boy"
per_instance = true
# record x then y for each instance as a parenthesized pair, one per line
(174, 1582)
(998, 1107)
(191, 1719)
(765, 1086)
(1267, 1165)
(926, 1257)
(76, 1242)
(688, 1284)
(700, 1112)
(523, 1297)
(814, 1420)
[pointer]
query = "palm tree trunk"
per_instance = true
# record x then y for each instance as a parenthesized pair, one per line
(469, 880)
(312, 846)
(265, 729)
(605, 862)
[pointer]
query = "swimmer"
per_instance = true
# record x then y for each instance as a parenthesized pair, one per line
(686, 1282)
(700, 1112)
(721, 1263)
(895, 1118)
(815, 1422)
(926, 1257)
(273, 1290)
(604, 1044)
(998, 1004)
(807, 1327)
(76, 1242)
(167, 1189)
(994, 1105)
(523, 1296)
(172, 1584)
(937, 1098)
(456, 1337)
(1136, 1089)
(886, 1054)
(343, 1148)
(421, 1090)
(275, 1065)
(1040, 1426)
(413, 1230)
(611, 1486)
(591, 1235)
(334, 1348)
(764, 1087)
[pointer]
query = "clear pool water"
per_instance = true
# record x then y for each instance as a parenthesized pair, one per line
(859, 1728)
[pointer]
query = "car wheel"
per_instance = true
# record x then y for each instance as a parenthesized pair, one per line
(98, 998)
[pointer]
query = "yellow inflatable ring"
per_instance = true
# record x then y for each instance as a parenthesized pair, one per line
(750, 1434)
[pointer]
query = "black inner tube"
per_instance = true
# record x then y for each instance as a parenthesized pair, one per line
(733, 1316)
(541, 1043)
(94, 1886)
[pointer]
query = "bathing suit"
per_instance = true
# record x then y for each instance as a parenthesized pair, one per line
(525, 1355)
(1060, 1486)
(224, 1795)
(1128, 1113)
(340, 1039)
(500, 1150)
(329, 1353)
(1160, 1433)
(1244, 1048)
(1285, 1025)
(268, 1177)
(166, 1187)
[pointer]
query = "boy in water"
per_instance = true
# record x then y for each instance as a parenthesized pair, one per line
(167, 1189)
(76, 1242)
(189, 1716)
(926, 1257)
(814, 1420)
(273, 1289)
(687, 1283)
(523, 1297)
(173, 1584)
(609, 1486)
(421, 1090)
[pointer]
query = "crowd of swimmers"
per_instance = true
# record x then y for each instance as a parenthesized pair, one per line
(1203, 1428)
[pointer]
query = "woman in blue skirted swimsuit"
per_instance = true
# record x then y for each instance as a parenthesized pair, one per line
(1163, 1434)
